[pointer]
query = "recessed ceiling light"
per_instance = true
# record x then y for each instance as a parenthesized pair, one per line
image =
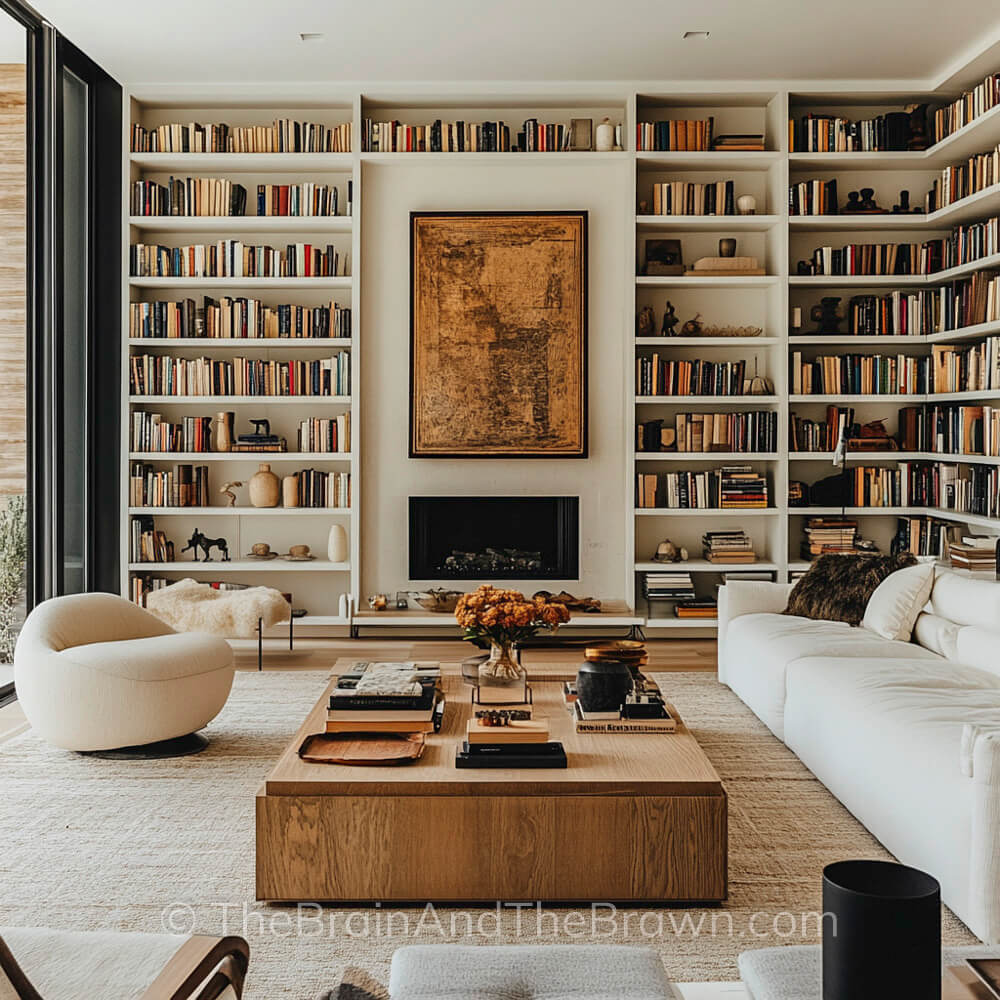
(696, 34)
(311, 36)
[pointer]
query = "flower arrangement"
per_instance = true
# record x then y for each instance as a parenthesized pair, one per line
(504, 617)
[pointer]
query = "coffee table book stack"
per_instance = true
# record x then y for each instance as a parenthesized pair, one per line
(508, 738)
(387, 698)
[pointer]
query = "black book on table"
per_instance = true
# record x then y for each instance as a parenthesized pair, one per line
(526, 755)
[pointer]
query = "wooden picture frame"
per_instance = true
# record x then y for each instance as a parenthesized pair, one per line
(498, 335)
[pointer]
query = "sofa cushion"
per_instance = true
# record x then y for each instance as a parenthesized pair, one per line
(155, 658)
(760, 647)
(977, 647)
(884, 735)
(898, 599)
(936, 634)
(965, 600)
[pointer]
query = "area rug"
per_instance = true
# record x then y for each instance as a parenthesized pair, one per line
(169, 845)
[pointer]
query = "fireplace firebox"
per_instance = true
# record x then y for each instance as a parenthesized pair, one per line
(494, 538)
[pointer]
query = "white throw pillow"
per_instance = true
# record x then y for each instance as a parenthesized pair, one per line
(897, 601)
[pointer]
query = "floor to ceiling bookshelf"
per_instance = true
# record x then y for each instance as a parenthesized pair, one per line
(778, 239)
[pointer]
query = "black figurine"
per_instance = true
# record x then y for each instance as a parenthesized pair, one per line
(199, 541)
(669, 320)
(826, 315)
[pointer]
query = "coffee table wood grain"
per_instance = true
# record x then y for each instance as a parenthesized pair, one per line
(637, 818)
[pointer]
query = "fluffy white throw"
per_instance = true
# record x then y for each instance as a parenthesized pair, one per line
(189, 606)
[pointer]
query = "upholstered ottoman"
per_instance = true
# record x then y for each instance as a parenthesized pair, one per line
(527, 972)
(796, 972)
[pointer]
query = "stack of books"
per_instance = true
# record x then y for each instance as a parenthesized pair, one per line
(829, 535)
(740, 486)
(508, 738)
(414, 705)
(672, 586)
(732, 545)
(649, 715)
(976, 554)
(706, 608)
(746, 141)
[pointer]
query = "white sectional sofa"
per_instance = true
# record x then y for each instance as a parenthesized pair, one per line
(905, 734)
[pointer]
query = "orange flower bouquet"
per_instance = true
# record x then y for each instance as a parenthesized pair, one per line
(505, 617)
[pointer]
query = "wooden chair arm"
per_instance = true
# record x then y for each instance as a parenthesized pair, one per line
(215, 962)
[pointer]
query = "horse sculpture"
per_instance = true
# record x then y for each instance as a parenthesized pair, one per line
(199, 541)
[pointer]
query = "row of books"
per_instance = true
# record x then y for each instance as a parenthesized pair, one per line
(672, 585)
(142, 584)
(151, 432)
(963, 179)
(467, 137)
(234, 259)
(966, 108)
(658, 376)
(923, 536)
(910, 484)
(860, 374)
(165, 375)
(325, 434)
(973, 490)
(877, 259)
(283, 135)
(729, 545)
(813, 197)
(805, 434)
(684, 134)
(147, 543)
(236, 317)
(731, 487)
(748, 430)
(318, 488)
(689, 198)
(813, 133)
(210, 196)
(950, 430)
(968, 368)
(183, 486)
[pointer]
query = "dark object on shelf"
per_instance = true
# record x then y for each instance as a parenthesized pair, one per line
(535, 755)
(603, 685)
(797, 494)
(589, 605)
(199, 541)
(833, 491)
(645, 322)
(897, 130)
(692, 328)
(803, 267)
(581, 134)
(881, 932)
(904, 207)
(727, 247)
(664, 257)
(826, 315)
(438, 599)
(863, 203)
(669, 320)
(258, 424)
(919, 138)
(873, 437)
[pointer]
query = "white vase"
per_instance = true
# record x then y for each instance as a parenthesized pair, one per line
(746, 204)
(336, 546)
(605, 137)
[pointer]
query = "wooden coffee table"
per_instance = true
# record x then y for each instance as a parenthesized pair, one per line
(632, 819)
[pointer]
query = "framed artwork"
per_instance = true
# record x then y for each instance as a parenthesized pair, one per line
(498, 334)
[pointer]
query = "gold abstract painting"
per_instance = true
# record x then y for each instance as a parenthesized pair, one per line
(498, 334)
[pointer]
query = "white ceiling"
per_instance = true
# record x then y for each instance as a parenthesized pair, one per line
(538, 40)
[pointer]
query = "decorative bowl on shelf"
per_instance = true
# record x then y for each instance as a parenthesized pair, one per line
(438, 600)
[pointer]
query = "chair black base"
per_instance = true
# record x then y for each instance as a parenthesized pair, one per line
(179, 746)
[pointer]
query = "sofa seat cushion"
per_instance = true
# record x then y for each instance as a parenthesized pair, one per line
(885, 736)
(759, 648)
(155, 658)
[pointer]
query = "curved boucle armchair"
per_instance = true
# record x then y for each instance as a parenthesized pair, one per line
(96, 672)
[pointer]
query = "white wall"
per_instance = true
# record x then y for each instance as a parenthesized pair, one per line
(389, 193)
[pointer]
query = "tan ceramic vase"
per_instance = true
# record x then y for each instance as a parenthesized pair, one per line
(290, 491)
(222, 433)
(265, 487)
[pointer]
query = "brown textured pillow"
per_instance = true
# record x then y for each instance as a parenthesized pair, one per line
(356, 984)
(837, 588)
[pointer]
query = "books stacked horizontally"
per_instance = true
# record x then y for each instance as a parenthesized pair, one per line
(740, 486)
(508, 737)
(646, 713)
(739, 141)
(668, 586)
(704, 608)
(385, 697)
(974, 553)
(829, 535)
(733, 487)
(732, 545)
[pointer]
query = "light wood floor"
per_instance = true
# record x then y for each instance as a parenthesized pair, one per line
(320, 654)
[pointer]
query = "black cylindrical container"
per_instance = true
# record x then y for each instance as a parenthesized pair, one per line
(881, 932)
(603, 685)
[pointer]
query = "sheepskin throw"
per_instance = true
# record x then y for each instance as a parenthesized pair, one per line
(838, 588)
(189, 606)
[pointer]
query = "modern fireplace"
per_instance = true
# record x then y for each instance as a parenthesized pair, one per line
(494, 538)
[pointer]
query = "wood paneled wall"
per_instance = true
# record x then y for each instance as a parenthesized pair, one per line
(12, 279)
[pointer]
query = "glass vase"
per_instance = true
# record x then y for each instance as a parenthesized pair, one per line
(502, 669)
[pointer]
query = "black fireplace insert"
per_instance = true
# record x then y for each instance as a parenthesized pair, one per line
(494, 538)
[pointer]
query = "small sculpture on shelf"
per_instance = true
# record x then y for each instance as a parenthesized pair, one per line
(669, 320)
(227, 491)
(727, 246)
(693, 327)
(667, 552)
(645, 322)
(200, 541)
(904, 207)
(746, 204)
(863, 202)
(826, 315)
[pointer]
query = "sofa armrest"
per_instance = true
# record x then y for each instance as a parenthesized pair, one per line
(747, 597)
(984, 867)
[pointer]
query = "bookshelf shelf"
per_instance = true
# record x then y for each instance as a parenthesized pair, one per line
(654, 622)
(241, 456)
(242, 511)
(563, 157)
(706, 456)
(964, 333)
(243, 162)
(864, 457)
(249, 283)
(243, 343)
(723, 223)
(710, 159)
(887, 160)
(862, 223)
(745, 401)
(707, 512)
(237, 400)
(290, 224)
(703, 566)
(740, 342)
(845, 398)
(848, 339)
(857, 280)
(681, 281)
(241, 566)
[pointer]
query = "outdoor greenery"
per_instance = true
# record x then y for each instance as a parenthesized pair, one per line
(13, 556)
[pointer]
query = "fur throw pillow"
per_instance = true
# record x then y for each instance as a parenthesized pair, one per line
(837, 588)
(356, 984)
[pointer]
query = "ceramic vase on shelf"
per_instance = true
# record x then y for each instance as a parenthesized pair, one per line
(290, 491)
(265, 487)
(336, 545)
(222, 433)
(605, 136)
(502, 669)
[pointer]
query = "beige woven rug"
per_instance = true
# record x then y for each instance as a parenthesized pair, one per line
(88, 843)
